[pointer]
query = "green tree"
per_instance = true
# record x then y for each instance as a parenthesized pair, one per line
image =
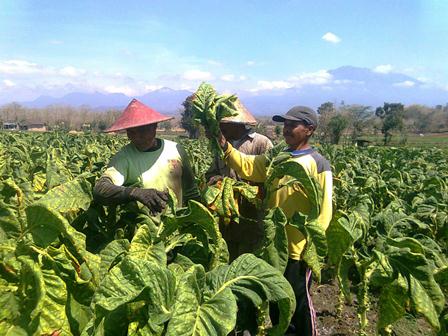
(278, 130)
(326, 111)
(336, 126)
(358, 117)
(392, 117)
(187, 122)
(167, 126)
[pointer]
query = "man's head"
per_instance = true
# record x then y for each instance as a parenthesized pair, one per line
(142, 137)
(299, 124)
(235, 127)
(233, 131)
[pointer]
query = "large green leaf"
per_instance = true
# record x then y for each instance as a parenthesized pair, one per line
(44, 224)
(252, 278)
(70, 196)
(298, 174)
(134, 285)
(274, 248)
(115, 249)
(341, 234)
(316, 242)
(199, 312)
(425, 293)
(57, 172)
(9, 222)
(143, 247)
(47, 296)
(392, 303)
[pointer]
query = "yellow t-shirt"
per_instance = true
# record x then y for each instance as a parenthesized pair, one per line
(289, 198)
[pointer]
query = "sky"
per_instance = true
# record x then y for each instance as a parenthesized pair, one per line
(133, 47)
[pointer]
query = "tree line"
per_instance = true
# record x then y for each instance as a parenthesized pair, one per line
(60, 117)
(350, 121)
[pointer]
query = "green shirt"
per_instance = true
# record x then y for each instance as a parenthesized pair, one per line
(165, 167)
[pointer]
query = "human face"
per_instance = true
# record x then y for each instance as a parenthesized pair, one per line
(142, 137)
(232, 131)
(297, 133)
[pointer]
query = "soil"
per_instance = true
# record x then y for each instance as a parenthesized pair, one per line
(325, 299)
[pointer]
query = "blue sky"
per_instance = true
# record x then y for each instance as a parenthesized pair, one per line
(55, 47)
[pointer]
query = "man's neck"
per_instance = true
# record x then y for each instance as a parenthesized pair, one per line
(299, 147)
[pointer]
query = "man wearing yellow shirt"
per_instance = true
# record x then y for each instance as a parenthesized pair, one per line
(300, 122)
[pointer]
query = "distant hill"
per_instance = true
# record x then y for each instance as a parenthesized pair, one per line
(348, 84)
(164, 100)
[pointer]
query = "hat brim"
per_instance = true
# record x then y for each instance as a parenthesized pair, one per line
(280, 118)
(125, 127)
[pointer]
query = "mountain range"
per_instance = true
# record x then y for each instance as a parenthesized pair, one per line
(348, 84)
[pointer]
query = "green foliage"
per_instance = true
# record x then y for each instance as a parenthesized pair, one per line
(392, 116)
(209, 108)
(337, 125)
(71, 266)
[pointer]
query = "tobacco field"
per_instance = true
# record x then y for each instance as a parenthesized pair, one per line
(72, 267)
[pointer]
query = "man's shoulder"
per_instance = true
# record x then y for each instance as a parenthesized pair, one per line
(321, 162)
(125, 151)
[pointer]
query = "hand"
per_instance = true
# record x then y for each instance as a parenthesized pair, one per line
(155, 200)
(214, 179)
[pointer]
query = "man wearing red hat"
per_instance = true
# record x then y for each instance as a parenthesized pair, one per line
(147, 167)
(242, 237)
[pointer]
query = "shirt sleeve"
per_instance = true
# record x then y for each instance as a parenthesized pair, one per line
(189, 187)
(117, 170)
(248, 167)
(107, 193)
(326, 212)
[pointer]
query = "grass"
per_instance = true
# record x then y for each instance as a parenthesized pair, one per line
(411, 140)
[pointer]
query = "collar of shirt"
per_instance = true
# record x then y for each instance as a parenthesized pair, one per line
(300, 152)
(250, 134)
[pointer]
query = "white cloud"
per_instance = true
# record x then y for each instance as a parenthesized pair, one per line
(321, 77)
(233, 78)
(8, 83)
(272, 85)
(383, 69)
(19, 67)
(197, 75)
(127, 90)
(213, 62)
(332, 38)
(405, 84)
(71, 71)
(347, 81)
(250, 63)
(149, 87)
(228, 78)
(316, 78)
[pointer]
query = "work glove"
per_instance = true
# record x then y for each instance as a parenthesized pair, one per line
(214, 179)
(153, 199)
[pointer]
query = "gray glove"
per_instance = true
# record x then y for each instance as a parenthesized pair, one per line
(155, 200)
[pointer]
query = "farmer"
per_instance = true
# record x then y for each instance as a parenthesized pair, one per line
(299, 123)
(242, 237)
(238, 132)
(147, 167)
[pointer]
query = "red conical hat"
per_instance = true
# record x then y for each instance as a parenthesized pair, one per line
(243, 116)
(137, 114)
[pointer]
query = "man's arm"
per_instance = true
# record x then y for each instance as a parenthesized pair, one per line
(326, 212)
(107, 193)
